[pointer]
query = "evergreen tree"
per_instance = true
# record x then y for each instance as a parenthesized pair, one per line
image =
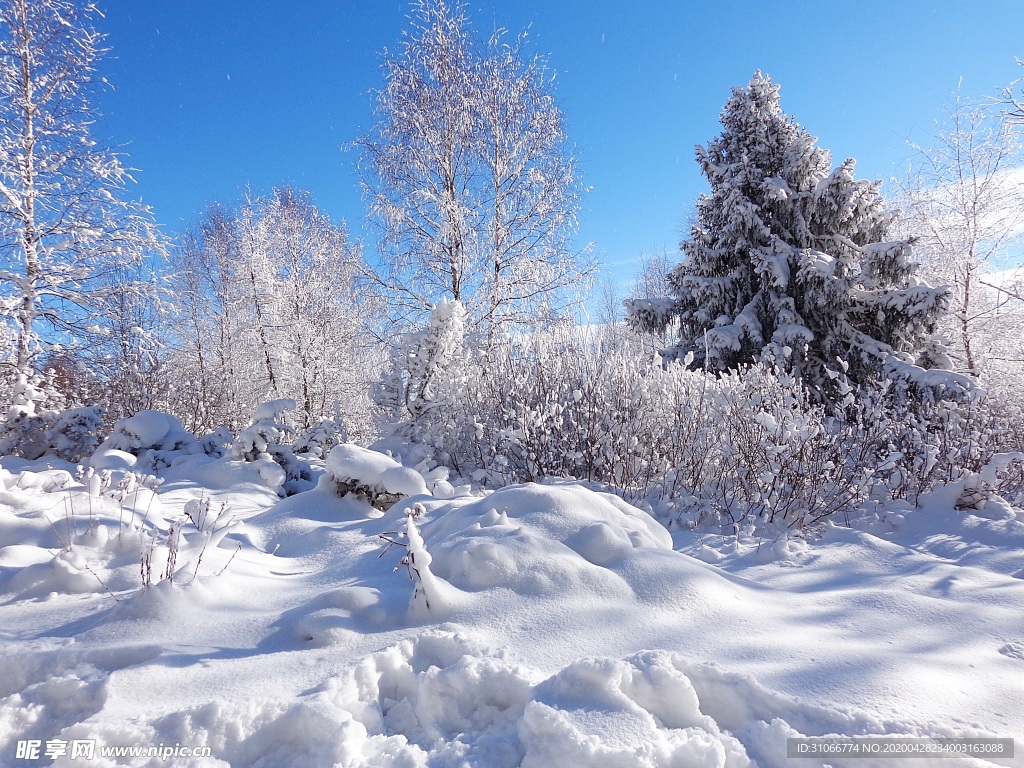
(788, 262)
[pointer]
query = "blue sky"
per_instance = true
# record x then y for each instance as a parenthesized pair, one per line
(210, 95)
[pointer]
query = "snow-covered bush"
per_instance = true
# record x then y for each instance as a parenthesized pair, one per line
(217, 443)
(75, 433)
(712, 448)
(1002, 472)
(318, 439)
(1006, 425)
(262, 443)
(156, 438)
(266, 430)
(32, 430)
(939, 443)
(422, 364)
(563, 405)
(370, 475)
(70, 435)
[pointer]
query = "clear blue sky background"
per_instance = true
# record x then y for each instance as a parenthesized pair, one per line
(210, 95)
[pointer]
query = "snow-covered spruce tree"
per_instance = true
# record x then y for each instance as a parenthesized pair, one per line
(37, 423)
(65, 226)
(789, 262)
(263, 445)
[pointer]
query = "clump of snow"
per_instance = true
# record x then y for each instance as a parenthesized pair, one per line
(641, 711)
(440, 698)
(374, 476)
(146, 429)
(455, 701)
(112, 459)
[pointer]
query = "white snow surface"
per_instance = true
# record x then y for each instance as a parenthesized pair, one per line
(565, 628)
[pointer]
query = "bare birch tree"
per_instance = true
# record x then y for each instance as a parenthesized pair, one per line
(328, 359)
(66, 228)
(211, 389)
(470, 177)
(962, 200)
(269, 309)
(1013, 102)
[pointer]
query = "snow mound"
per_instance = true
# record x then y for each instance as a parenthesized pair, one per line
(371, 474)
(113, 459)
(148, 429)
(539, 539)
(62, 535)
(1013, 651)
(850, 634)
(641, 711)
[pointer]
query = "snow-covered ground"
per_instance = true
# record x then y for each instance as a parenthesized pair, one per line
(548, 626)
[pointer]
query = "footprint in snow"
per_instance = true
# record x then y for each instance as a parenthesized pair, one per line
(1013, 650)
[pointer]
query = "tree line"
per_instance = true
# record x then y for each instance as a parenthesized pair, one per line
(474, 189)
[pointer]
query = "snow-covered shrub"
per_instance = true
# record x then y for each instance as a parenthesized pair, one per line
(1006, 424)
(24, 434)
(941, 442)
(716, 448)
(75, 433)
(262, 444)
(563, 405)
(156, 438)
(70, 435)
(217, 443)
(267, 429)
(318, 439)
(32, 430)
(370, 475)
(1003, 472)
